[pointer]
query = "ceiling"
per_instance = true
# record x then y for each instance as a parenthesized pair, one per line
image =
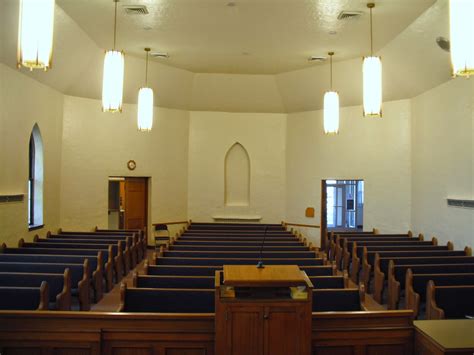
(412, 64)
(243, 36)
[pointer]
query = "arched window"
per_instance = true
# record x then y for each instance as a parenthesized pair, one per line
(237, 176)
(35, 179)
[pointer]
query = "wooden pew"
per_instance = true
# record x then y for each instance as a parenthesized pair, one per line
(107, 257)
(338, 300)
(59, 285)
(25, 298)
(207, 282)
(362, 256)
(142, 239)
(80, 280)
(235, 261)
(115, 255)
(137, 248)
(331, 236)
(329, 282)
(166, 300)
(353, 251)
(95, 265)
(202, 270)
(134, 247)
(182, 282)
(449, 302)
(240, 254)
(239, 239)
(416, 285)
(211, 247)
(237, 243)
(381, 266)
(125, 246)
(396, 277)
(337, 240)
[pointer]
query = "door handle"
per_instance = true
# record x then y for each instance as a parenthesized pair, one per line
(266, 316)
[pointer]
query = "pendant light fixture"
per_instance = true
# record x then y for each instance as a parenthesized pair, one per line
(35, 34)
(331, 107)
(372, 77)
(145, 103)
(462, 37)
(112, 84)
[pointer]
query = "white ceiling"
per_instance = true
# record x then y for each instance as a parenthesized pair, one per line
(412, 64)
(250, 37)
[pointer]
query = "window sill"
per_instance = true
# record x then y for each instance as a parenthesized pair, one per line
(35, 227)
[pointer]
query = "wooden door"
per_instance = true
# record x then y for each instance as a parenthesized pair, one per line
(242, 331)
(135, 215)
(284, 330)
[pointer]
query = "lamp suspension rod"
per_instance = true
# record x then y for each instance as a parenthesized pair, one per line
(115, 23)
(147, 50)
(371, 5)
(330, 66)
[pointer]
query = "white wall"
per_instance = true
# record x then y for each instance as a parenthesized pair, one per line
(211, 134)
(97, 145)
(24, 102)
(442, 155)
(375, 150)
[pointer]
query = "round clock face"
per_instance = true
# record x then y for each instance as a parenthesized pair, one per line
(131, 165)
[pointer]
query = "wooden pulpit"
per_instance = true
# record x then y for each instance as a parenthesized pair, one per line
(263, 311)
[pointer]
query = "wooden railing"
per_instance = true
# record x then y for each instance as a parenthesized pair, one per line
(96, 333)
(300, 225)
(170, 223)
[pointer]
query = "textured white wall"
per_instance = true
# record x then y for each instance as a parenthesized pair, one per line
(211, 134)
(442, 157)
(97, 145)
(375, 150)
(24, 102)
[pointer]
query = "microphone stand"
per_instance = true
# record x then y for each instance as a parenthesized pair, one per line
(260, 264)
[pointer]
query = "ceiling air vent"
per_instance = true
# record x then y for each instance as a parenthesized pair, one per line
(347, 15)
(136, 9)
(316, 59)
(159, 55)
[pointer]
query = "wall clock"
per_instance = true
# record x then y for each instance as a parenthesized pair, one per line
(131, 165)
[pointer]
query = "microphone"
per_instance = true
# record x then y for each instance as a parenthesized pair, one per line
(260, 264)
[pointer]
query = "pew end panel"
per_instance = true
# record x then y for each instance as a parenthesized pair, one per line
(97, 279)
(123, 291)
(412, 299)
(468, 251)
(83, 288)
(44, 297)
(64, 299)
(432, 309)
(393, 287)
(379, 280)
(355, 268)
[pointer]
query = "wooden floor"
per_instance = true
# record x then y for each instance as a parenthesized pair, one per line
(111, 301)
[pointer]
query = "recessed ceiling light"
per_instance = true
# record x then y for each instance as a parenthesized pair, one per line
(245, 53)
(231, 4)
(332, 33)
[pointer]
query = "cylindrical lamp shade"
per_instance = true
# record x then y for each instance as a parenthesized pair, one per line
(35, 34)
(112, 85)
(372, 72)
(462, 36)
(145, 109)
(331, 112)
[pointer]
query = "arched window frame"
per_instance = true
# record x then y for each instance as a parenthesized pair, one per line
(35, 179)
